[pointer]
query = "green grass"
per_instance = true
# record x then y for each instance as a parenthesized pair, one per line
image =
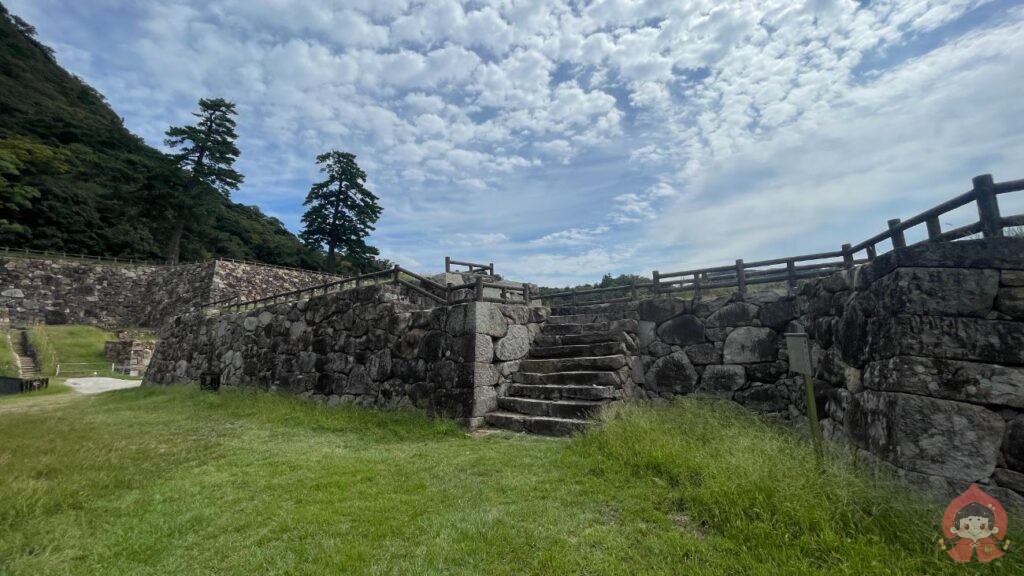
(8, 363)
(175, 481)
(78, 349)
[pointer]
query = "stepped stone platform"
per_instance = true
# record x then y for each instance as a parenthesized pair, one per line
(577, 368)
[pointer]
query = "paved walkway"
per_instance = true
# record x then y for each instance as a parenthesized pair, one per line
(96, 385)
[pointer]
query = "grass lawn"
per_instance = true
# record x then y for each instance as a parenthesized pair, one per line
(176, 481)
(8, 363)
(78, 349)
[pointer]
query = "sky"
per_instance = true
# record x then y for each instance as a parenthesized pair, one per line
(566, 140)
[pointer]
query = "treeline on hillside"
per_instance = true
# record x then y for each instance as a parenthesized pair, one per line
(607, 281)
(74, 179)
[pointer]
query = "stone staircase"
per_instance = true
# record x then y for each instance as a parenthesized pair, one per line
(577, 367)
(26, 363)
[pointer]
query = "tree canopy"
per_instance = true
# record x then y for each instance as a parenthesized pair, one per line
(342, 212)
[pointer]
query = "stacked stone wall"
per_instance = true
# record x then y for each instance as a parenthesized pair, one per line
(117, 295)
(919, 359)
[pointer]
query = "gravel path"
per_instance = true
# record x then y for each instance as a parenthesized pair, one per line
(96, 385)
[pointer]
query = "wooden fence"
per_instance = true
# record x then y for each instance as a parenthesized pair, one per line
(791, 269)
(474, 268)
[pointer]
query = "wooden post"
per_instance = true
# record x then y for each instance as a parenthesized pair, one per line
(448, 292)
(632, 290)
(397, 274)
(988, 206)
(934, 227)
(791, 277)
(479, 288)
(896, 234)
(447, 264)
(490, 267)
(574, 296)
(657, 282)
(812, 417)
(847, 256)
(871, 252)
(696, 285)
(741, 279)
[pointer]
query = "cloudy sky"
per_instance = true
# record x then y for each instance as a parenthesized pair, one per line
(565, 140)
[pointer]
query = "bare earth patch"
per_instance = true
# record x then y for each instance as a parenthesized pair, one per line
(97, 385)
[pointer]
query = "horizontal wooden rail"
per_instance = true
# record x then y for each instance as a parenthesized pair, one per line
(473, 266)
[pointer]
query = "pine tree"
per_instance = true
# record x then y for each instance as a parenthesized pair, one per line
(342, 212)
(207, 153)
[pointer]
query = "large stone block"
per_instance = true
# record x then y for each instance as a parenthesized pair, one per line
(673, 373)
(936, 291)
(705, 353)
(995, 253)
(763, 397)
(483, 349)
(1013, 444)
(748, 345)
(662, 308)
(776, 315)
(734, 314)
(514, 345)
(1011, 301)
(723, 379)
(973, 382)
(682, 330)
(941, 437)
(974, 339)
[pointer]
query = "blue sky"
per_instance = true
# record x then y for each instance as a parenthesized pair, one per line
(565, 140)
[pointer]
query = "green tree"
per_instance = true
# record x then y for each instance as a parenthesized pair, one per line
(342, 212)
(22, 162)
(207, 154)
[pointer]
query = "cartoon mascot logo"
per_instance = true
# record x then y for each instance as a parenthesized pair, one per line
(974, 523)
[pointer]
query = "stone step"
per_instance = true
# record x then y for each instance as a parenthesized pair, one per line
(578, 378)
(543, 425)
(553, 408)
(573, 339)
(558, 392)
(577, 319)
(629, 326)
(578, 350)
(584, 363)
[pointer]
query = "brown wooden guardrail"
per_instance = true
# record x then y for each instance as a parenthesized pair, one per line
(789, 270)
(473, 267)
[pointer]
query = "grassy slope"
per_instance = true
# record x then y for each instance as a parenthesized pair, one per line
(162, 481)
(8, 364)
(78, 348)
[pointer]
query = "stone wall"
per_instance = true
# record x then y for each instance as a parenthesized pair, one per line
(919, 356)
(113, 296)
(132, 355)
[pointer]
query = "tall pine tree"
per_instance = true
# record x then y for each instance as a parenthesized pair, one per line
(207, 154)
(342, 212)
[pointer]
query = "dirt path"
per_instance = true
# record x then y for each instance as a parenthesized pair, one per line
(96, 385)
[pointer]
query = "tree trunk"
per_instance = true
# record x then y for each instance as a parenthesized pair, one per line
(330, 258)
(174, 246)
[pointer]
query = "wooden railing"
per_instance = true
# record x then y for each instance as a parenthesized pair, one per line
(790, 270)
(442, 294)
(474, 268)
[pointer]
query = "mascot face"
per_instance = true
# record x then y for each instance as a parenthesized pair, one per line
(974, 527)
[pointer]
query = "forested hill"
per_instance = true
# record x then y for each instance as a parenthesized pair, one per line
(73, 178)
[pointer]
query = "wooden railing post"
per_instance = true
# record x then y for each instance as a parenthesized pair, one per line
(490, 268)
(632, 290)
(871, 252)
(656, 283)
(988, 206)
(791, 277)
(696, 285)
(741, 279)
(847, 256)
(447, 264)
(574, 296)
(397, 275)
(934, 227)
(479, 288)
(896, 234)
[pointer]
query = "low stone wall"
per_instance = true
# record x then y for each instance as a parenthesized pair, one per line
(919, 355)
(119, 295)
(378, 346)
(132, 355)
